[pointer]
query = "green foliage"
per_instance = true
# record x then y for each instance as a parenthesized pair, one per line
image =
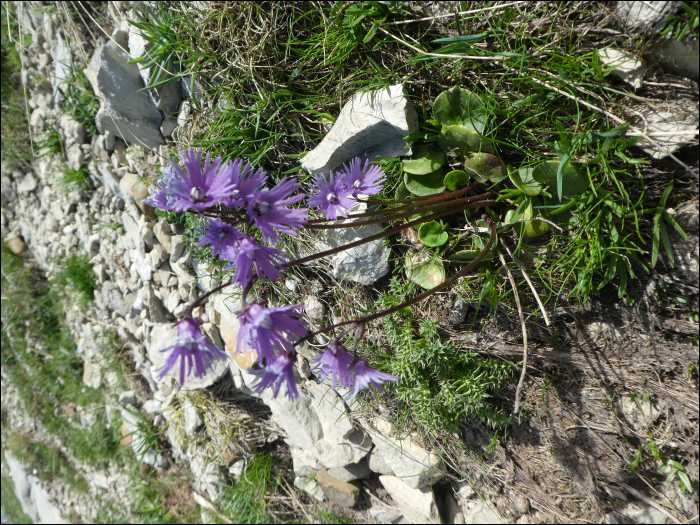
(670, 468)
(425, 269)
(51, 144)
(442, 385)
(77, 273)
(684, 23)
(246, 502)
(432, 234)
(81, 102)
(661, 216)
(77, 179)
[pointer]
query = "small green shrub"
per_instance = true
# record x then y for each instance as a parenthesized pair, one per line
(81, 102)
(245, 502)
(77, 179)
(77, 273)
(441, 384)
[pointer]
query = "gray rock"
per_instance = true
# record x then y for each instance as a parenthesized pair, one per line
(167, 97)
(163, 233)
(376, 462)
(112, 182)
(459, 311)
(163, 336)
(370, 124)
(35, 500)
(384, 514)
(417, 504)
(192, 420)
(314, 308)
(482, 513)
(236, 470)
(126, 111)
(100, 481)
(109, 140)
(113, 299)
(36, 119)
(27, 184)
(152, 406)
(156, 311)
(310, 486)
(128, 398)
(451, 511)
(73, 130)
(62, 65)
(304, 465)
(75, 157)
(351, 472)
(92, 375)
(409, 461)
(678, 57)
(177, 245)
(672, 126)
(168, 126)
(207, 474)
(646, 18)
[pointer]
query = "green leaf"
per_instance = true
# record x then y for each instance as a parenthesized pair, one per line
(485, 167)
(432, 234)
(667, 242)
(656, 238)
(465, 256)
(673, 223)
(524, 182)
(686, 481)
(572, 182)
(461, 140)
(372, 31)
(455, 179)
(533, 228)
(424, 161)
(635, 461)
(402, 192)
(422, 185)
(458, 106)
(424, 269)
(664, 197)
(623, 281)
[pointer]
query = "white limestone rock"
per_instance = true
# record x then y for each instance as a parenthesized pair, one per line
(370, 124)
(417, 504)
(646, 17)
(410, 462)
(627, 67)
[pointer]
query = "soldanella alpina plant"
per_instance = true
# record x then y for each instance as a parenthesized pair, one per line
(236, 201)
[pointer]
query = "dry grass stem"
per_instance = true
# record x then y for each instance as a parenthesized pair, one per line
(529, 282)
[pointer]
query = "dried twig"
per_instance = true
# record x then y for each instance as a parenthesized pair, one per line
(532, 287)
(518, 390)
(438, 55)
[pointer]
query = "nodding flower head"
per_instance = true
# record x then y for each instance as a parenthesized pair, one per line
(219, 235)
(365, 375)
(270, 331)
(245, 182)
(247, 255)
(195, 189)
(362, 179)
(268, 210)
(333, 197)
(194, 351)
(335, 361)
(278, 372)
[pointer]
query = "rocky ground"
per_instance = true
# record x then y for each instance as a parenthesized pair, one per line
(348, 456)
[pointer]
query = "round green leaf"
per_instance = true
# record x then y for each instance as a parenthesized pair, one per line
(573, 182)
(402, 192)
(457, 106)
(425, 270)
(524, 182)
(456, 179)
(422, 185)
(461, 140)
(533, 228)
(432, 234)
(423, 161)
(485, 167)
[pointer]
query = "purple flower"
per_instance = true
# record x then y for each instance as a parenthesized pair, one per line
(333, 196)
(249, 255)
(268, 210)
(366, 375)
(161, 198)
(219, 235)
(198, 190)
(362, 180)
(193, 350)
(335, 362)
(279, 371)
(268, 330)
(245, 183)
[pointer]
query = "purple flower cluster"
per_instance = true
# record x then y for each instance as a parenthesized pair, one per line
(235, 198)
(336, 195)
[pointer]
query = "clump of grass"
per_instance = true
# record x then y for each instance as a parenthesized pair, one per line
(245, 502)
(79, 179)
(442, 385)
(81, 102)
(50, 144)
(15, 131)
(77, 273)
(48, 462)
